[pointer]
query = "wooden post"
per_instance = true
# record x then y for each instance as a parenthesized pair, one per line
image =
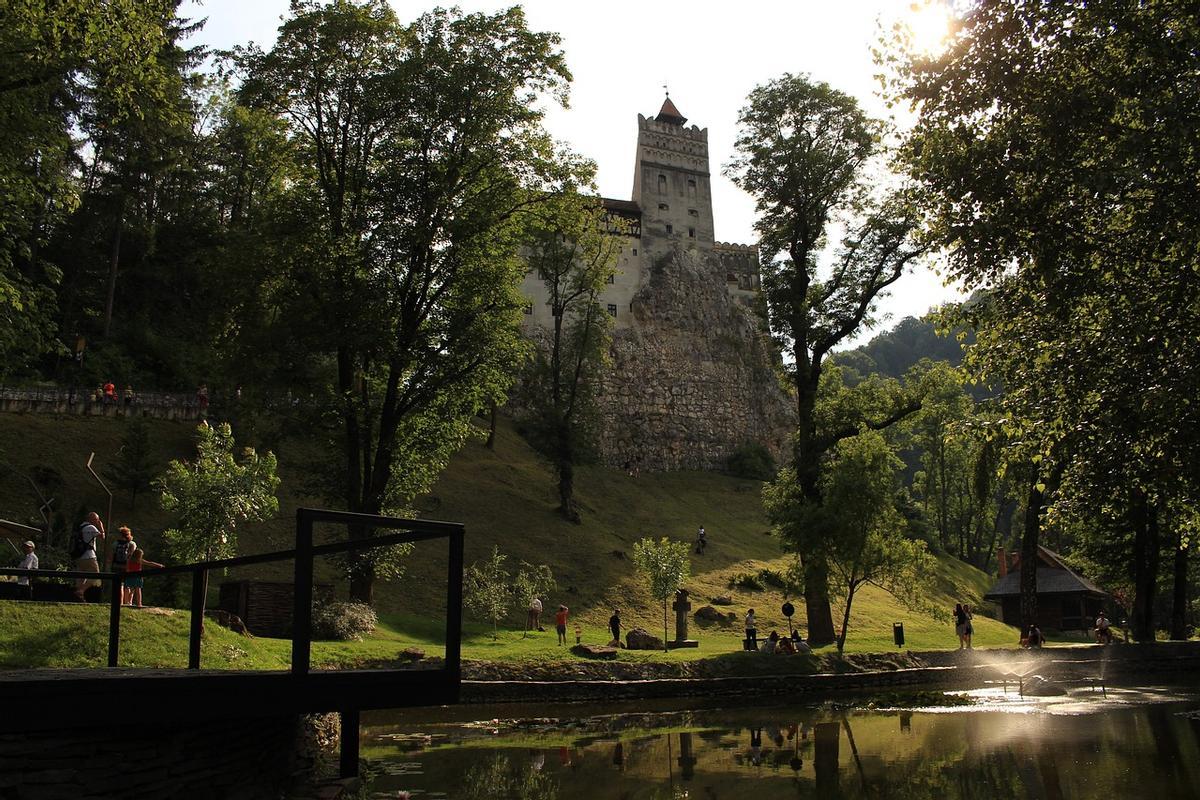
(114, 621)
(199, 579)
(302, 592)
(348, 751)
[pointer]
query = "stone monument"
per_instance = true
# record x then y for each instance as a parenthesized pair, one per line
(682, 607)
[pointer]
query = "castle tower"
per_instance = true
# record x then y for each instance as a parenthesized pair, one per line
(671, 183)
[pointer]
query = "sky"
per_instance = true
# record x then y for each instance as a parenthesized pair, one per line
(710, 55)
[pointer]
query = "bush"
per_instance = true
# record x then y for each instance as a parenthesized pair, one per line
(752, 460)
(343, 622)
(747, 581)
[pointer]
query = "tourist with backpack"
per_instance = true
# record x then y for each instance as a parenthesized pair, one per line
(83, 551)
(118, 558)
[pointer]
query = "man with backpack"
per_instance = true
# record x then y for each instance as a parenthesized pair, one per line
(83, 551)
(118, 557)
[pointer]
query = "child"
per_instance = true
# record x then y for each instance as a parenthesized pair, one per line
(560, 622)
(134, 582)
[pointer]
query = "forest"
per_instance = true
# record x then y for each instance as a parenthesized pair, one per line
(339, 220)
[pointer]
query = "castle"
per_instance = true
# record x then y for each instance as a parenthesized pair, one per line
(692, 376)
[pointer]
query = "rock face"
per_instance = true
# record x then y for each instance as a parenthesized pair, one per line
(638, 639)
(692, 380)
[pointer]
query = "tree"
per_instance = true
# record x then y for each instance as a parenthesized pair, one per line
(486, 589)
(133, 470)
(1054, 149)
(665, 565)
(422, 150)
(214, 493)
(804, 153)
(490, 590)
(573, 256)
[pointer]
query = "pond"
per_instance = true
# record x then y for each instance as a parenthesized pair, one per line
(1124, 743)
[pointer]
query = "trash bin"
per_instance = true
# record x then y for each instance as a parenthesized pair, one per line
(898, 633)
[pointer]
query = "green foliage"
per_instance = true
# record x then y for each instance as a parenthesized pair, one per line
(343, 622)
(665, 566)
(751, 460)
(498, 778)
(133, 469)
(212, 494)
(486, 589)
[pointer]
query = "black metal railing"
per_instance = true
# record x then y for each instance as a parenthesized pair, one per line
(303, 555)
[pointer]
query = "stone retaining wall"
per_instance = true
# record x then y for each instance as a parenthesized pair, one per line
(88, 408)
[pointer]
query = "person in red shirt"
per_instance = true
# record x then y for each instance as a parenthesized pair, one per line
(110, 393)
(560, 623)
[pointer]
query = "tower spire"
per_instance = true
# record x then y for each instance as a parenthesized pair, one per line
(669, 113)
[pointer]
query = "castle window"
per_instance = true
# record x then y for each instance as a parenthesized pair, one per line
(663, 207)
(612, 309)
(693, 212)
(528, 309)
(691, 233)
(691, 188)
(662, 184)
(670, 229)
(635, 251)
(611, 279)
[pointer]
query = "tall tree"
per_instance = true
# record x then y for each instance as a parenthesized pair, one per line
(1056, 148)
(424, 148)
(572, 255)
(804, 152)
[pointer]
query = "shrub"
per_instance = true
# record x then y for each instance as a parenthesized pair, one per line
(747, 581)
(343, 622)
(752, 460)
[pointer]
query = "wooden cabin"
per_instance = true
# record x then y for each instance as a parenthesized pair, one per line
(1066, 600)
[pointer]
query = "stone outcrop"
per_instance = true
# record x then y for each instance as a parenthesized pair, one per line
(638, 639)
(692, 380)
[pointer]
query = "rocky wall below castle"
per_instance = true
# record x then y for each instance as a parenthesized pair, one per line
(692, 380)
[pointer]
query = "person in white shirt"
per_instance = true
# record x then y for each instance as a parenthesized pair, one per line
(83, 550)
(534, 622)
(751, 631)
(29, 562)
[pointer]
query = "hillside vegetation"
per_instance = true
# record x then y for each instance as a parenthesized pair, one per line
(504, 497)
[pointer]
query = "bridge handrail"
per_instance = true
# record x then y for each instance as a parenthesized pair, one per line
(303, 555)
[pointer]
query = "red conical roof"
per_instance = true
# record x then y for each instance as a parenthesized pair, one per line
(669, 113)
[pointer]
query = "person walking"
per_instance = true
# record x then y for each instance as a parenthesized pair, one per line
(751, 631)
(701, 541)
(614, 627)
(560, 624)
(970, 628)
(128, 397)
(30, 561)
(960, 625)
(83, 551)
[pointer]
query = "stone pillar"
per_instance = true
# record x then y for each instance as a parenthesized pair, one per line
(687, 761)
(682, 607)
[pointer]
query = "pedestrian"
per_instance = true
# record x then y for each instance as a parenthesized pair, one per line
(533, 621)
(30, 561)
(751, 631)
(560, 624)
(128, 396)
(110, 393)
(83, 552)
(970, 629)
(1103, 629)
(614, 627)
(960, 625)
(701, 541)
(202, 398)
(133, 583)
(98, 395)
(118, 558)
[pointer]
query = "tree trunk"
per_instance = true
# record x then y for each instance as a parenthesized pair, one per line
(841, 639)
(1179, 602)
(816, 601)
(1145, 567)
(565, 466)
(1029, 555)
(362, 574)
(114, 261)
(665, 648)
(490, 444)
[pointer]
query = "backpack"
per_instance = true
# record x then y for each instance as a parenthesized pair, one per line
(121, 550)
(78, 546)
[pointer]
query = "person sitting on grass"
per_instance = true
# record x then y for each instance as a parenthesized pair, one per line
(1035, 638)
(134, 580)
(771, 643)
(1103, 630)
(786, 646)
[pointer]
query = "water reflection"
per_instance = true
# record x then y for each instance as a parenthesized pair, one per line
(1026, 751)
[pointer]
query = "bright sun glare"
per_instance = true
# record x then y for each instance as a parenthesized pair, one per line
(929, 24)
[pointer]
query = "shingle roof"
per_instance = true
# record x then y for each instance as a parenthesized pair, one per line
(669, 113)
(1053, 577)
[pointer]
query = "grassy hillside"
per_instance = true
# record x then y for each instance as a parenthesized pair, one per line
(504, 497)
